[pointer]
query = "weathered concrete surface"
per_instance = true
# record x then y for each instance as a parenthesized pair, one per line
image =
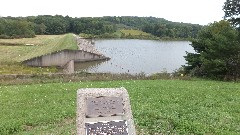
(62, 57)
(83, 95)
(69, 67)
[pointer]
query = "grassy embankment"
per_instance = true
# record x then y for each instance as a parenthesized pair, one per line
(125, 34)
(14, 51)
(135, 34)
(159, 106)
(132, 34)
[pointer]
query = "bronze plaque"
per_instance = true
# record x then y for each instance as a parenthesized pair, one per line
(108, 128)
(104, 106)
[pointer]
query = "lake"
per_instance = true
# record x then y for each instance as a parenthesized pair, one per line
(138, 56)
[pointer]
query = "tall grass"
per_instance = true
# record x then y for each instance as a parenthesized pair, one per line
(159, 106)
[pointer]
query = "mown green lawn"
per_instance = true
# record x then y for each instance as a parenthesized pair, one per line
(159, 106)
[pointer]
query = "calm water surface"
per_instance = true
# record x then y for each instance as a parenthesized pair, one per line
(137, 56)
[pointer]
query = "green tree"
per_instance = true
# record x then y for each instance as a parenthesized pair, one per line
(40, 29)
(217, 52)
(1, 26)
(54, 24)
(232, 11)
(13, 28)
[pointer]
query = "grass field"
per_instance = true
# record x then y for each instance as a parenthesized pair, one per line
(123, 33)
(14, 51)
(134, 32)
(159, 106)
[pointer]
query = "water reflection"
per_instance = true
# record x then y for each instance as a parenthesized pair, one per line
(85, 66)
(137, 56)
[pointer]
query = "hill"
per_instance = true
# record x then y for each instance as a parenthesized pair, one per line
(19, 27)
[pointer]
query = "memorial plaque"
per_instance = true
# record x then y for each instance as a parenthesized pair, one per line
(104, 111)
(104, 106)
(107, 128)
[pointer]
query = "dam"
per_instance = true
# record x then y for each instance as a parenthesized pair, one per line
(86, 52)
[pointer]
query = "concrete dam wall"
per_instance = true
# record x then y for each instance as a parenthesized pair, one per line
(61, 58)
(66, 58)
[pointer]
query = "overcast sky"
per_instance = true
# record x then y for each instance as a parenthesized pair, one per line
(188, 11)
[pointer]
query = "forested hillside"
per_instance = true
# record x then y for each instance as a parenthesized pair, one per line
(19, 27)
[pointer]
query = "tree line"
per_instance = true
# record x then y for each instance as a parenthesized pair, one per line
(217, 47)
(19, 27)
